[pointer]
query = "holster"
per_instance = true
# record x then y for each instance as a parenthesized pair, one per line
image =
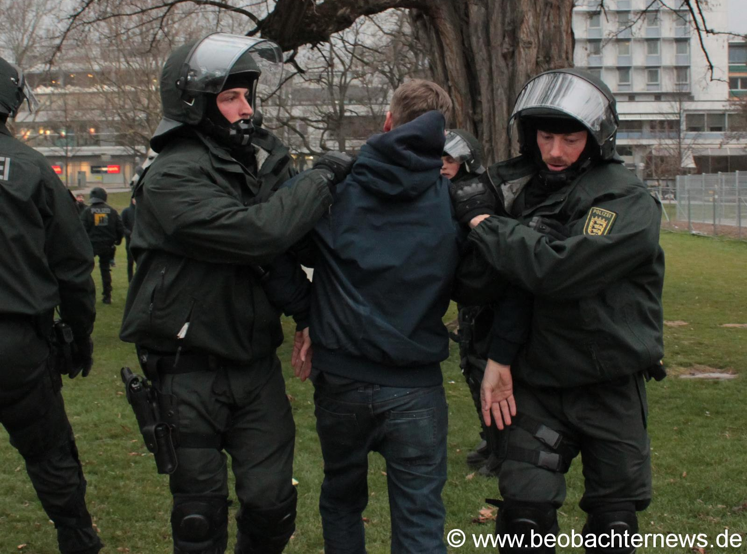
(63, 346)
(157, 434)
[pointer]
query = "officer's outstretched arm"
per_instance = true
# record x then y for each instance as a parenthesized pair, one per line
(610, 240)
(209, 222)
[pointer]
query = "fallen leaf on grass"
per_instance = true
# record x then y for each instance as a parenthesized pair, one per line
(21, 546)
(676, 323)
(735, 325)
(134, 454)
(291, 398)
(470, 477)
(740, 508)
(684, 474)
(699, 550)
(486, 515)
(366, 520)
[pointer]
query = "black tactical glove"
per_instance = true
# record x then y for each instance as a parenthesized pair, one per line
(472, 198)
(549, 227)
(82, 357)
(338, 164)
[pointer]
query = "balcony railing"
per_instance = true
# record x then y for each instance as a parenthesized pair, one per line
(595, 61)
(625, 61)
(595, 32)
(653, 32)
(653, 60)
(682, 59)
(681, 32)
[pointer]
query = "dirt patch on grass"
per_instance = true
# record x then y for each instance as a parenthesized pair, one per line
(702, 372)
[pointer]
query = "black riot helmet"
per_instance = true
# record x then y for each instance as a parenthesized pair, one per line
(14, 90)
(465, 149)
(98, 195)
(195, 73)
(567, 99)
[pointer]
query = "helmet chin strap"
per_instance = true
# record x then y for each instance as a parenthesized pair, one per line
(556, 180)
(237, 134)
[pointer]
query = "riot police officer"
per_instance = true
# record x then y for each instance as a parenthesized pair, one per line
(46, 263)
(105, 230)
(578, 384)
(203, 304)
(462, 163)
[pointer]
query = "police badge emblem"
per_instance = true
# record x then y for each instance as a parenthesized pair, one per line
(599, 222)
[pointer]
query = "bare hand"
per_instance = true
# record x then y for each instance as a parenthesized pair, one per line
(475, 221)
(497, 394)
(302, 353)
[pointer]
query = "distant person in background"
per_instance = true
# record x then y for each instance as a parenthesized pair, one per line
(105, 229)
(80, 203)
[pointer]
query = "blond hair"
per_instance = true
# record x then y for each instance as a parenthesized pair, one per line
(414, 98)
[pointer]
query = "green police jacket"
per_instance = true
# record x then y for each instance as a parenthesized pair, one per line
(597, 312)
(201, 233)
(46, 258)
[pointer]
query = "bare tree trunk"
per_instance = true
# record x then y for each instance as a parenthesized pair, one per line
(484, 51)
(481, 51)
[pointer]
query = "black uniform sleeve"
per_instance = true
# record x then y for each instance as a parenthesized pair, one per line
(581, 265)
(69, 255)
(511, 323)
(217, 227)
(119, 228)
(86, 218)
(288, 288)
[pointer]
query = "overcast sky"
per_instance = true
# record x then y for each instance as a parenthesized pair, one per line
(738, 16)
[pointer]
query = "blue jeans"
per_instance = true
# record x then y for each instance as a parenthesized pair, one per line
(407, 426)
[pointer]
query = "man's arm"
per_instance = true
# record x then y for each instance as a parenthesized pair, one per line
(581, 265)
(216, 227)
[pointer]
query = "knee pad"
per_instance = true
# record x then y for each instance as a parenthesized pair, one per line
(609, 524)
(199, 524)
(266, 531)
(526, 521)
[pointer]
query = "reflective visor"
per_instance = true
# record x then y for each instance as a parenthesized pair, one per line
(457, 148)
(26, 91)
(572, 95)
(208, 65)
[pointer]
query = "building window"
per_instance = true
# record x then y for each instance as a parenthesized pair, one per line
(653, 47)
(623, 20)
(595, 21)
(625, 150)
(738, 54)
(682, 47)
(623, 76)
(738, 83)
(682, 75)
(695, 122)
(652, 19)
(680, 20)
(716, 122)
(623, 48)
(596, 72)
(595, 48)
(630, 126)
(652, 76)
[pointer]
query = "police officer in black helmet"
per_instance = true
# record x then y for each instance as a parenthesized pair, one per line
(585, 243)
(46, 263)
(105, 229)
(204, 304)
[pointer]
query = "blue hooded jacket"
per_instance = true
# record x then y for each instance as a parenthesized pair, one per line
(387, 253)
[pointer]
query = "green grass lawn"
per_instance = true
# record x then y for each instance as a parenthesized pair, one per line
(698, 431)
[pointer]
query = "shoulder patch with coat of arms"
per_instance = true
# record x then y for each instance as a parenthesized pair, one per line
(599, 222)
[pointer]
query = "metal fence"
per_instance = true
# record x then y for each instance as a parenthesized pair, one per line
(712, 203)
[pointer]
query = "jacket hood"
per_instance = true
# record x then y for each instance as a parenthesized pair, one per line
(405, 161)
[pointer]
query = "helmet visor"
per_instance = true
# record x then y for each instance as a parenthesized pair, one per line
(573, 96)
(208, 65)
(26, 91)
(457, 148)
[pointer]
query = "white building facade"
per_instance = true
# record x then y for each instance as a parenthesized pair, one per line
(675, 112)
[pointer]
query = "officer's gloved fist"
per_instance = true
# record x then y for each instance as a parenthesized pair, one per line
(82, 357)
(338, 164)
(553, 229)
(472, 198)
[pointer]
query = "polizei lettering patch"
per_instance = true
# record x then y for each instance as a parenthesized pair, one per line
(599, 222)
